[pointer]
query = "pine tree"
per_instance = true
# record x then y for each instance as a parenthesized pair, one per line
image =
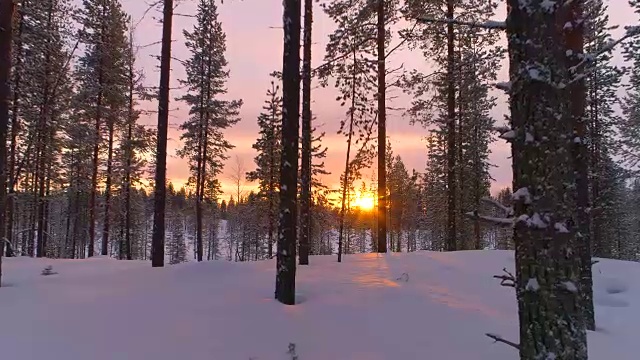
(467, 59)
(629, 127)
(44, 106)
(102, 73)
(268, 158)
(204, 143)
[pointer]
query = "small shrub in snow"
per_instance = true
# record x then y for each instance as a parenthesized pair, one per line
(48, 270)
(292, 352)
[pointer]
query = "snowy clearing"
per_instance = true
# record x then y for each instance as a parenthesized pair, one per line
(422, 305)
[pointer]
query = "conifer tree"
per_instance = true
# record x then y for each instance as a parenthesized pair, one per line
(629, 127)
(467, 59)
(102, 74)
(267, 161)
(204, 143)
(44, 106)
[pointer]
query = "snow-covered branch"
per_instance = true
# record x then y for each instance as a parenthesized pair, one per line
(498, 338)
(489, 24)
(591, 57)
(506, 209)
(504, 86)
(496, 221)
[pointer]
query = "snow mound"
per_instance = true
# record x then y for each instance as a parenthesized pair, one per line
(365, 308)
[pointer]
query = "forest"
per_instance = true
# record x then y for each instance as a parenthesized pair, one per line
(82, 176)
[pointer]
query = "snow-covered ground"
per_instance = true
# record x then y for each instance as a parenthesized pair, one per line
(422, 305)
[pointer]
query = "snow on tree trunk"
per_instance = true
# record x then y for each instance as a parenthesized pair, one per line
(546, 234)
(286, 251)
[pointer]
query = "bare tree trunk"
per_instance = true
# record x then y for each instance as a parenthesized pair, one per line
(305, 194)
(129, 161)
(345, 182)
(451, 133)
(7, 8)
(382, 132)
(15, 126)
(107, 191)
(96, 149)
(286, 252)
(574, 40)
(157, 242)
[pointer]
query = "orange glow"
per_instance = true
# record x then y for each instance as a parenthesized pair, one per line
(365, 201)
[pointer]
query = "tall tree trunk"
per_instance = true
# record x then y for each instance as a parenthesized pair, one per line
(382, 132)
(15, 126)
(548, 273)
(7, 8)
(286, 252)
(272, 187)
(129, 152)
(305, 194)
(157, 241)
(451, 132)
(345, 181)
(96, 146)
(574, 40)
(107, 191)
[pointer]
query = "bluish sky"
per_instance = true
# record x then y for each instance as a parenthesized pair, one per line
(254, 49)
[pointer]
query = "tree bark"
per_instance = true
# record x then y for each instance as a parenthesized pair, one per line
(305, 193)
(157, 240)
(15, 126)
(548, 273)
(345, 181)
(451, 133)
(96, 147)
(382, 132)
(7, 8)
(286, 251)
(574, 39)
(107, 191)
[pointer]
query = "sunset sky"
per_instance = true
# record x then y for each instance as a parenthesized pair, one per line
(254, 49)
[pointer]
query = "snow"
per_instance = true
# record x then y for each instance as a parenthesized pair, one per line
(522, 194)
(493, 24)
(532, 285)
(364, 308)
(509, 135)
(570, 286)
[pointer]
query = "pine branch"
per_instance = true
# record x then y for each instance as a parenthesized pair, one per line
(506, 209)
(502, 222)
(632, 31)
(489, 24)
(344, 55)
(498, 338)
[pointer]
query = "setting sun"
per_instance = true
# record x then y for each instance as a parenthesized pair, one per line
(365, 201)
